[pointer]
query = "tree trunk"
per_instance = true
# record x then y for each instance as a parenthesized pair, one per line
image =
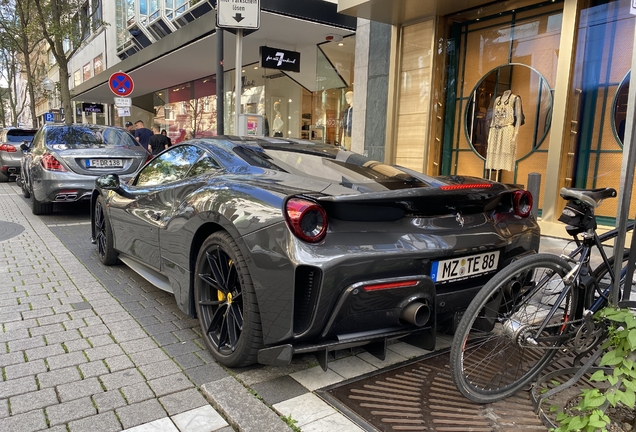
(65, 91)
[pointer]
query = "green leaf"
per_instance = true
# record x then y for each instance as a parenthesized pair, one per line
(611, 358)
(594, 400)
(577, 423)
(612, 379)
(599, 375)
(554, 408)
(555, 382)
(631, 338)
(629, 398)
(629, 384)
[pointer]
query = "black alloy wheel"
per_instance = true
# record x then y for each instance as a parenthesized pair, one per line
(39, 207)
(104, 235)
(226, 302)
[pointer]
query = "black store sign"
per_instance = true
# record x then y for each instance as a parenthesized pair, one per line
(274, 58)
(93, 108)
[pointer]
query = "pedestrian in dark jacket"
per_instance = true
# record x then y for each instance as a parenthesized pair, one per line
(164, 133)
(142, 134)
(157, 142)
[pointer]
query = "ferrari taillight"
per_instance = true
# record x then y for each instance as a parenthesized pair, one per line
(49, 163)
(8, 148)
(306, 219)
(522, 203)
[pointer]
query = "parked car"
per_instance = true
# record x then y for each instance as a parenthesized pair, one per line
(62, 162)
(10, 152)
(287, 246)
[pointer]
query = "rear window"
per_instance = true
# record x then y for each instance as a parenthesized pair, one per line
(16, 135)
(87, 137)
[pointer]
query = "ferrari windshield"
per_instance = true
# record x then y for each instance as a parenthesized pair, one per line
(345, 168)
(87, 137)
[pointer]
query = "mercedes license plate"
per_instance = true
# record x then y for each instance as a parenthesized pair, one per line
(104, 163)
(464, 267)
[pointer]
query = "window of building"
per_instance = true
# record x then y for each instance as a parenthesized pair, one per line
(77, 78)
(96, 18)
(98, 64)
(86, 72)
(51, 58)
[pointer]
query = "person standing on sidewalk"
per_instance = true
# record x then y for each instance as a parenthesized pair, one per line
(142, 134)
(157, 142)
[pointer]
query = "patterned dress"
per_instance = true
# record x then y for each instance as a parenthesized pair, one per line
(502, 142)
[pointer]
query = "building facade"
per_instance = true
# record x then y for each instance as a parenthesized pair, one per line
(169, 48)
(503, 89)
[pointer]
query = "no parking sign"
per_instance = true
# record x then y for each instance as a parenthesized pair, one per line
(121, 84)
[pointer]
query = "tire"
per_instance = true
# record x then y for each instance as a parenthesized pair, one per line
(104, 235)
(40, 208)
(3, 178)
(226, 302)
(487, 361)
(25, 190)
(603, 279)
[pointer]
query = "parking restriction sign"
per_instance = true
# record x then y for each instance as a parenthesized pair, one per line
(121, 84)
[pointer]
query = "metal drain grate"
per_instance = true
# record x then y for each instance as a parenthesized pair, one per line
(9, 230)
(422, 397)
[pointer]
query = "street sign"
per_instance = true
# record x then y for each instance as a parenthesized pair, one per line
(49, 117)
(123, 102)
(238, 14)
(123, 112)
(121, 84)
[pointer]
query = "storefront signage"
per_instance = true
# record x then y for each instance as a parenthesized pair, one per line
(238, 14)
(274, 58)
(93, 108)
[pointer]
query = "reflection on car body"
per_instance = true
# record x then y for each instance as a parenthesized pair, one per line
(282, 247)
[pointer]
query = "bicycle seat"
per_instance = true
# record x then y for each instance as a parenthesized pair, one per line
(591, 197)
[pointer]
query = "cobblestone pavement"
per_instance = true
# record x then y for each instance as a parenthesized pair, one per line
(95, 348)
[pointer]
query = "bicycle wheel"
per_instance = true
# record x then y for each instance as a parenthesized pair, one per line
(491, 357)
(602, 276)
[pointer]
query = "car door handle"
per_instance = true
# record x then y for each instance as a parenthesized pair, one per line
(155, 215)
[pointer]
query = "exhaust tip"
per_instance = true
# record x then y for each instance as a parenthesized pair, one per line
(416, 313)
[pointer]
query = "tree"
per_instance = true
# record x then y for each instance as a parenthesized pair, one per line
(19, 26)
(10, 71)
(64, 25)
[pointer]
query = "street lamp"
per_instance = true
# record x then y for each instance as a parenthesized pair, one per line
(49, 86)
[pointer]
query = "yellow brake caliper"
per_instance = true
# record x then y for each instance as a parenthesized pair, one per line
(219, 294)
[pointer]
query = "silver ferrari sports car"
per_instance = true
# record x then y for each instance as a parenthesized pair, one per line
(282, 246)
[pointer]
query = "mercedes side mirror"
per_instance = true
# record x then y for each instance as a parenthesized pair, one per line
(25, 145)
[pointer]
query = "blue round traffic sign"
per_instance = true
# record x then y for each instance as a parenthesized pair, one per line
(121, 84)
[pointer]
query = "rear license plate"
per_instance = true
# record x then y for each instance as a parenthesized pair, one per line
(464, 267)
(104, 163)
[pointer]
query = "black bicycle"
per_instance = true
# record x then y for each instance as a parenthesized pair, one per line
(536, 306)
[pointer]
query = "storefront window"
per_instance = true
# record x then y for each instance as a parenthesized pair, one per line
(514, 52)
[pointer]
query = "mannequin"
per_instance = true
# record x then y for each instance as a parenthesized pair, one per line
(502, 136)
(278, 123)
(347, 119)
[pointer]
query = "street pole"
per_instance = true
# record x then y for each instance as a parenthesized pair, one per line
(237, 85)
(220, 114)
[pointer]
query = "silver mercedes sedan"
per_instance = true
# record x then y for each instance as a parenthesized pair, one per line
(62, 162)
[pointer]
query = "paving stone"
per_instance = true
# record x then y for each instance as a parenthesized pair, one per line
(61, 337)
(206, 373)
(101, 353)
(128, 335)
(149, 356)
(95, 320)
(38, 313)
(33, 400)
(25, 369)
(108, 401)
(73, 324)
(160, 328)
(59, 376)
(200, 419)
(51, 320)
(181, 348)
(92, 369)
(101, 340)
(69, 411)
(94, 330)
(137, 392)
(44, 352)
(65, 360)
(77, 345)
(27, 422)
(118, 363)
(11, 358)
(231, 399)
(17, 386)
(123, 324)
(164, 339)
(122, 378)
(79, 389)
(189, 360)
(279, 389)
(11, 335)
(170, 384)
(159, 369)
(104, 422)
(4, 408)
(24, 324)
(140, 413)
(24, 344)
(177, 403)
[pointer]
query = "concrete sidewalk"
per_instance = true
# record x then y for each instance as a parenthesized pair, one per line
(80, 354)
